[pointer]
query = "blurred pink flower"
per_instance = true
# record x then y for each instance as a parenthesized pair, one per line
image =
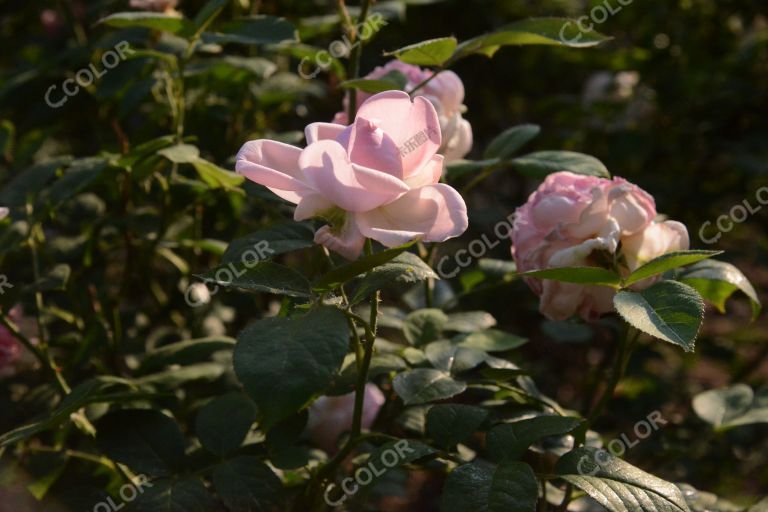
(574, 220)
(377, 178)
(331, 416)
(445, 92)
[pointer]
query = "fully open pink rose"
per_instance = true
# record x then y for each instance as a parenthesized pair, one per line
(377, 178)
(331, 416)
(445, 92)
(574, 220)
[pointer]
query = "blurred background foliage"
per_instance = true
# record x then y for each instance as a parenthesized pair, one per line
(677, 102)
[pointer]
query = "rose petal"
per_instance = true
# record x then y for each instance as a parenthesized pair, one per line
(274, 165)
(371, 147)
(348, 241)
(311, 206)
(413, 126)
(429, 174)
(322, 131)
(434, 213)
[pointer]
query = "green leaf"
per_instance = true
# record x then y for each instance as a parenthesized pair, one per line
(732, 406)
(165, 495)
(371, 86)
(534, 31)
(581, 275)
(491, 340)
(424, 385)
(457, 168)
(344, 273)
(175, 377)
(284, 362)
(223, 423)
(542, 163)
(29, 182)
(404, 268)
(145, 440)
(667, 310)
(208, 13)
(469, 321)
(617, 485)
(424, 325)
(217, 177)
(267, 243)
(510, 441)
(248, 485)
(450, 424)
(185, 352)
(76, 179)
(152, 20)
(482, 488)
(254, 30)
(55, 279)
(450, 357)
(700, 501)
(264, 276)
(510, 140)
(433, 52)
(181, 153)
(97, 390)
(668, 261)
(716, 281)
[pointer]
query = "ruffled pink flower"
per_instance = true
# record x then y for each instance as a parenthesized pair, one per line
(574, 220)
(445, 92)
(331, 416)
(377, 178)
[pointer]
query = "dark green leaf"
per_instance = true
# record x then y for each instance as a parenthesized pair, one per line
(77, 178)
(404, 268)
(452, 358)
(509, 441)
(254, 30)
(426, 385)
(617, 485)
(55, 279)
(145, 440)
(248, 485)
(668, 261)
(371, 86)
(153, 20)
(185, 352)
(481, 488)
(491, 340)
(510, 140)
(284, 362)
(223, 423)
(449, 424)
(424, 325)
(267, 243)
(164, 495)
(208, 13)
(344, 273)
(264, 276)
(581, 275)
(181, 153)
(457, 168)
(543, 163)
(469, 321)
(217, 177)
(667, 310)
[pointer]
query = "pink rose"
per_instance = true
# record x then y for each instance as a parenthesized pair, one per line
(9, 348)
(445, 92)
(13, 356)
(331, 416)
(377, 178)
(574, 220)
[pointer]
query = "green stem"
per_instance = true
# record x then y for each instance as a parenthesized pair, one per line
(354, 60)
(620, 366)
(425, 81)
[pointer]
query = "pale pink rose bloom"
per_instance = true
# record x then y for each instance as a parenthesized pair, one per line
(13, 356)
(377, 178)
(3, 212)
(573, 220)
(331, 416)
(445, 92)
